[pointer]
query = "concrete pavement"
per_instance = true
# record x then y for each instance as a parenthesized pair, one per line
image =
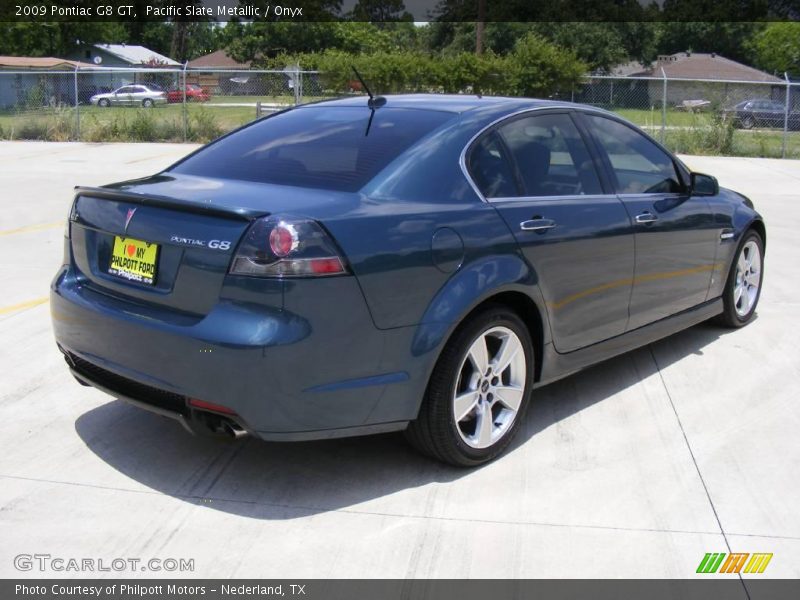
(634, 468)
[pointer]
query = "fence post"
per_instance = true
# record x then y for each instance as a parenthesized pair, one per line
(300, 86)
(77, 107)
(786, 114)
(664, 107)
(185, 116)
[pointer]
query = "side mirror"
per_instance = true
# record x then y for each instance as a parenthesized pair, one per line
(704, 185)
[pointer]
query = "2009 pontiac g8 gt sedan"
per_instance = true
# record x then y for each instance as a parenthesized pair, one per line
(417, 263)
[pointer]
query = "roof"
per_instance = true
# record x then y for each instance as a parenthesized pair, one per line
(698, 65)
(219, 58)
(37, 62)
(137, 55)
(456, 103)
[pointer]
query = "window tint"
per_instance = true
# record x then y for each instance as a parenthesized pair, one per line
(490, 169)
(640, 166)
(320, 147)
(550, 156)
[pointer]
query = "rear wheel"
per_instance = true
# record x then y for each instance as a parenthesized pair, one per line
(147, 103)
(743, 288)
(478, 392)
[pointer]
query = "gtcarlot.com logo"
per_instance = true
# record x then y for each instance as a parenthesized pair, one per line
(60, 564)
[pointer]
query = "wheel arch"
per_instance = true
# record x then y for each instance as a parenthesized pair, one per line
(758, 225)
(521, 302)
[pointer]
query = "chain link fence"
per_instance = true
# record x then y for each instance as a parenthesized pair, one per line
(737, 118)
(145, 104)
(696, 116)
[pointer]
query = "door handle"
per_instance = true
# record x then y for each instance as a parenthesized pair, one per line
(646, 217)
(537, 224)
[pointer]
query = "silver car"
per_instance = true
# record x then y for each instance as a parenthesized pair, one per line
(132, 95)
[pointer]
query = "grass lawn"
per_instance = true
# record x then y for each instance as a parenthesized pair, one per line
(675, 118)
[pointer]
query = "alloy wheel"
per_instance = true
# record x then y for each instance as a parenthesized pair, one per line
(490, 387)
(748, 278)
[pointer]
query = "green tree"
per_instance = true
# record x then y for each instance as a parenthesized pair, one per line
(537, 67)
(599, 45)
(41, 38)
(380, 10)
(777, 48)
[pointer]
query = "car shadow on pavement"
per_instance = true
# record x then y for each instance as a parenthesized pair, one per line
(289, 480)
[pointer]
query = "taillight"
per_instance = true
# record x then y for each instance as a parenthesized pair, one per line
(287, 247)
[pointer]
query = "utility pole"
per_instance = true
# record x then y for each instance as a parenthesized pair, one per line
(480, 25)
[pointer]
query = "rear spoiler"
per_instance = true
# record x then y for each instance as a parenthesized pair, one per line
(237, 213)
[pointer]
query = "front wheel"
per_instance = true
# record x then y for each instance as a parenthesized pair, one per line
(747, 122)
(104, 103)
(743, 288)
(147, 103)
(478, 392)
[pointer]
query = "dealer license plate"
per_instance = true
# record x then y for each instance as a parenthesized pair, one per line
(134, 260)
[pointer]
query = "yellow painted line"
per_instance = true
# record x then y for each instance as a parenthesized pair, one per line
(23, 305)
(37, 227)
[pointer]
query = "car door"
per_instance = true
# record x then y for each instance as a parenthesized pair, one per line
(538, 173)
(675, 234)
(777, 113)
(120, 96)
(139, 93)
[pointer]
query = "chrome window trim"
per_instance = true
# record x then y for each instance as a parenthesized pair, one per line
(462, 160)
(551, 198)
(651, 194)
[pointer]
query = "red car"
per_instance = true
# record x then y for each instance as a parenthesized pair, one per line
(194, 93)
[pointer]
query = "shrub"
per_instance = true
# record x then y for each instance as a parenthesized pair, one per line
(713, 136)
(538, 68)
(203, 126)
(110, 130)
(31, 129)
(535, 68)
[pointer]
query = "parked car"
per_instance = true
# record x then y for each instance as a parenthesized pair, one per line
(761, 113)
(87, 92)
(194, 93)
(132, 95)
(418, 263)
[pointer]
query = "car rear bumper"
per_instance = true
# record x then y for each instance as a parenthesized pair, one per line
(284, 376)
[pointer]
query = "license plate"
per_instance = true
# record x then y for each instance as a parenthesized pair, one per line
(134, 260)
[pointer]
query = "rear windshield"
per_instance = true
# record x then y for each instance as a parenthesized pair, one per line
(317, 147)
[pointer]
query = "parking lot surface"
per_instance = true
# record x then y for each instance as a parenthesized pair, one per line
(634, 468)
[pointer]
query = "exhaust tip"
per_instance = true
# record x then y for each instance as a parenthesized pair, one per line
(233, 430)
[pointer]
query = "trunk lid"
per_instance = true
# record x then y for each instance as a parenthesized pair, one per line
(197, 224)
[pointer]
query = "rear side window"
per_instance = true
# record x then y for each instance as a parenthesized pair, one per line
(550, 155)
(335, 148)
(640, 166)
(490, 169)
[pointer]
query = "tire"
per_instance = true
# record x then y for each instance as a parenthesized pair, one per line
(147, 103)
(504, 395)
(747, 122)
(103, 102)
(740, 297)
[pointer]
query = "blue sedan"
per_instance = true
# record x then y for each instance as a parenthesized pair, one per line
(419, 263)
